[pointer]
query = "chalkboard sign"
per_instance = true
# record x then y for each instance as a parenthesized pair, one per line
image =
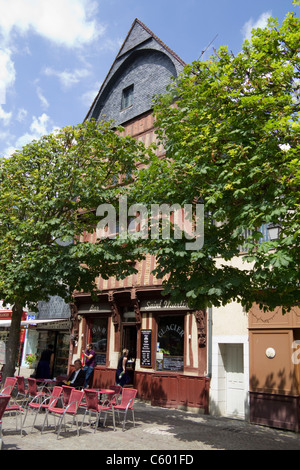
(100, 359)
(146, 344)
(173, 363)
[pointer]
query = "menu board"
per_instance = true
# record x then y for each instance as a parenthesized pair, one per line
(100, 359)
(173, 363)
(146, 342)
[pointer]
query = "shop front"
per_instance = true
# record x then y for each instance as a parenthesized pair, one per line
(51, 325)
(171, 370)
(5, 322)
(166, 344)
(96, 326)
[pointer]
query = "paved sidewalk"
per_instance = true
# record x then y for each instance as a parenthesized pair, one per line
(157, 429)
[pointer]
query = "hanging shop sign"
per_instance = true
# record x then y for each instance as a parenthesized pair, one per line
(94, 308)
(146, 345)
(54, 325)
(162, 305)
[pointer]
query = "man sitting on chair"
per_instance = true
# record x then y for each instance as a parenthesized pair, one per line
(77, 377)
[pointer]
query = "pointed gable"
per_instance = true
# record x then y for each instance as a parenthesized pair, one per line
(143, 68)
(137, 35)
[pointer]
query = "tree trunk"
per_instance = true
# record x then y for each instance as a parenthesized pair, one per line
(13, 342)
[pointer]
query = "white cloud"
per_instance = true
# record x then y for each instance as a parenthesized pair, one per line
(65, 22)
(5, 117)
(43, 100)
(4, 135)
(68, 23)
(251, 24)
(67, 78)
(40, 126)
(89, 96)
(22, 113)
(7, 73)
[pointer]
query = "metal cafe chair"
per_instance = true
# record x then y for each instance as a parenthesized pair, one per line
(127, 401)
(22, 390)
(36, 392)
(8, 386)
(66, 393)
(71, 410)
(4, 399)
(93, 406)
(46, 403)
(118, 391)
(15, 408)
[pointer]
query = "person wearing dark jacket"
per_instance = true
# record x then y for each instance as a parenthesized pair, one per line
(77, 377)
(45, 366)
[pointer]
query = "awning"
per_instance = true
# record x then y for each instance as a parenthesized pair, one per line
(7, 323)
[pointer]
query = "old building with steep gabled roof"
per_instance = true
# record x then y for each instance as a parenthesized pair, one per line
(142, 69)
(167, 360)
(224, 360)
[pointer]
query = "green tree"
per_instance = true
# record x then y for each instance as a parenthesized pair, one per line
(230, 127)
(49, 192)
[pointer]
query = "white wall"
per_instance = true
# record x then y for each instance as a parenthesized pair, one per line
(229, 326)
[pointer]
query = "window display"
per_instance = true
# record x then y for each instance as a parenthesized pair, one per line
(170, 343)
(61, 354)
(98, 338)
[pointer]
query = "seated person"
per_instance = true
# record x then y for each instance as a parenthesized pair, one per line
(76, 378)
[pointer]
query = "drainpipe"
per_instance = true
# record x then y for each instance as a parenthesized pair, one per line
(209, 341)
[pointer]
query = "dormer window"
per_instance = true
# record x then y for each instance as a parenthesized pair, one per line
(127, 97)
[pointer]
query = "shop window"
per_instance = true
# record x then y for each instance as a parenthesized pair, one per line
(4, 336)
(98, 338)
(170, 343)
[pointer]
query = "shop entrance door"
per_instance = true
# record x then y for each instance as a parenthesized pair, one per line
(61, 342)
(129, 339)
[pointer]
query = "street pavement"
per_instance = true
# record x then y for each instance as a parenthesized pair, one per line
(158, 432)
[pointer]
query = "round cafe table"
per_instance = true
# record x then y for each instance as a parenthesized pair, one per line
(107, 392)
(46, 384)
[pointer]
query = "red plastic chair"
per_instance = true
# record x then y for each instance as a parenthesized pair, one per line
(66, 394)
(71, 409)
(15, 408)
(9, 385)
(116, 388)
(4, 399)
(48, 401)
(34, 391)
(118, 391)
(127, 401)
(22, 391)
(93, 406)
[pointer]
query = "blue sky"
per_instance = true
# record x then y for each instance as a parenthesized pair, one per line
(55, 54)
